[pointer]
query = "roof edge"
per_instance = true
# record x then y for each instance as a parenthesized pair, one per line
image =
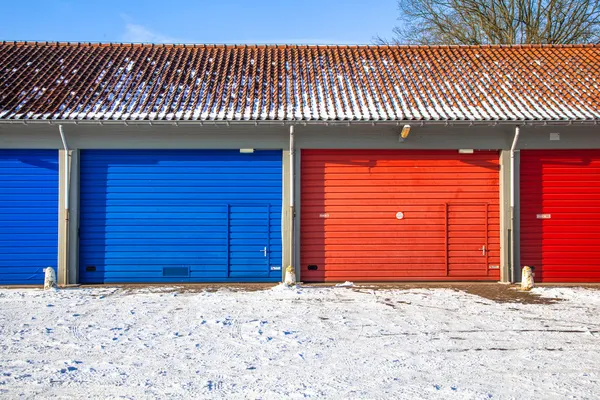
(574, 122)
(298, 46)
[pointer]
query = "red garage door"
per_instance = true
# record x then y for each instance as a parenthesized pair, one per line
(384, 215)
(560, 214)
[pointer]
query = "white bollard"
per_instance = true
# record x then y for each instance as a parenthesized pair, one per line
(290, 276)
(527, 278)
(49, 278)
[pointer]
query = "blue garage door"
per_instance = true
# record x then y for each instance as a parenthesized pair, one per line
(180, 216)
(28, 215)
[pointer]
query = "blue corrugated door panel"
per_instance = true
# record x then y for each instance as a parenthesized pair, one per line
(180, 216)
(249, 241)
(28, 215)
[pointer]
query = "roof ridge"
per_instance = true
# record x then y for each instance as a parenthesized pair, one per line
(291, 45)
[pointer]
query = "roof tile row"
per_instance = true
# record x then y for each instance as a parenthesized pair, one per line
(63, 81)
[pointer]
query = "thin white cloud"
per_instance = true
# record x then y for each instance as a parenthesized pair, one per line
(142, 34)
(293, 41)
(316, 41)
(139, 33)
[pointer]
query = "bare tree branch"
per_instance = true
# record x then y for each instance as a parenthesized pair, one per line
(496, 22)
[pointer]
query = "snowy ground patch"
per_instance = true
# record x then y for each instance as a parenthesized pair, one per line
(334, 343)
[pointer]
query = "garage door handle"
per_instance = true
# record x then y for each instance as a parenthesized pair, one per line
(264, 251)
(483, 250)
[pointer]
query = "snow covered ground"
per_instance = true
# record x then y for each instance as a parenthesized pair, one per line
(335, 343)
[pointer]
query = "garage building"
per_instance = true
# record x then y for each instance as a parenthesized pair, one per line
(131, 163)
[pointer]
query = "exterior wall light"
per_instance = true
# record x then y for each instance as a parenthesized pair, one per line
(404, 133)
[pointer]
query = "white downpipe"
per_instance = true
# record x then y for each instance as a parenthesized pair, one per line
(292, 151)
(64, 142)
(64, 272)
(512, 167)
(512, 202)
(292, 194)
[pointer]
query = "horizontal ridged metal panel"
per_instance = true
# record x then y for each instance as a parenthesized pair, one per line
(180, 216)
(28, 215)
(560, 214)
(351, 229)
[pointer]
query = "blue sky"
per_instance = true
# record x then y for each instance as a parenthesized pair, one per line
(200, 21)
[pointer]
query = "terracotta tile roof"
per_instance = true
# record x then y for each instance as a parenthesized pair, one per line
(210, 82)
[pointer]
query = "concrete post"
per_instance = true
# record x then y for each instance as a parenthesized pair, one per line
(286, 216)
(68, 220)
(62, 275)
(297, 210)
(74, 219)
(516, 218)
(505, 217)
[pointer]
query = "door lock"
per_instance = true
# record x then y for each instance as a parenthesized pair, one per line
(264, 251)
(483, 250)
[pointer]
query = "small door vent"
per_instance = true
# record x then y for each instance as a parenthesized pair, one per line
(176, 271)
(90, 268)
(313, 267)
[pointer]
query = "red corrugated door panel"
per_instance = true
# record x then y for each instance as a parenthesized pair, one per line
(560, 214)
(385, 215)
(467, 239)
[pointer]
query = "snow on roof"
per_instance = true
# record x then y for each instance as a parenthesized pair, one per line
(83, 81)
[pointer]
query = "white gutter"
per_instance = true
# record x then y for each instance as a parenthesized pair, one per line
(66, 148)
(445, 122)
(512, 202)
